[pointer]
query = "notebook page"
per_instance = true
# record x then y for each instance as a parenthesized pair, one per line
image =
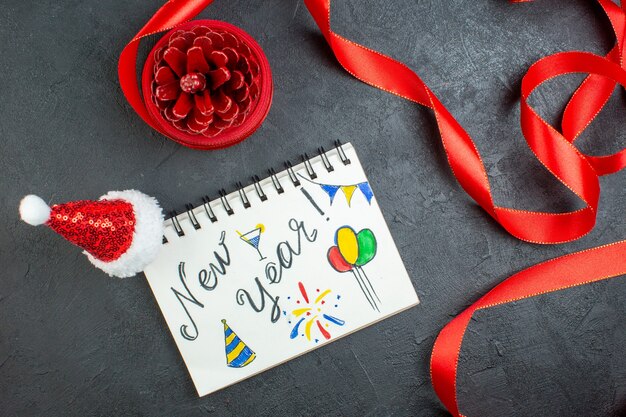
(285, 276)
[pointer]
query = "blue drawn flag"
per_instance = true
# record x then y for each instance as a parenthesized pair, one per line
(367, 191)
(238, 354)
(331, 190)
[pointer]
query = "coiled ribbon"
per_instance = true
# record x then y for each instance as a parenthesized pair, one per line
(555, 150)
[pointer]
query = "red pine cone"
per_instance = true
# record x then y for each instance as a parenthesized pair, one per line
(205, 81)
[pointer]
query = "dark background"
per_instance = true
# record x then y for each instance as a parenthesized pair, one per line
(74, 342)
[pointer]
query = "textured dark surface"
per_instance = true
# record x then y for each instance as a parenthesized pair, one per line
(75, 342)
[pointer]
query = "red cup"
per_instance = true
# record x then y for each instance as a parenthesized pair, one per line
(208, 84)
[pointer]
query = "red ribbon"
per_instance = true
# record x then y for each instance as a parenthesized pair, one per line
(568, 271)
(172, 14)
(554, 149)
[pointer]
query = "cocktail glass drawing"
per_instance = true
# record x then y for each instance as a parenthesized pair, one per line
(253, 238)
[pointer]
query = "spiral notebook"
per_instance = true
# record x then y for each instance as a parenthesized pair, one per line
(276, 269)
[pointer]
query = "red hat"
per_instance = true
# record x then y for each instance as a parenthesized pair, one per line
(121, 232)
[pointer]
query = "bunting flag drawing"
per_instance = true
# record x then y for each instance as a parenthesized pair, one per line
(347, 190)
(238, 354)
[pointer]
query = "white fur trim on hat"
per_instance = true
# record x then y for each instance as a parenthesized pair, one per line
(147, 236)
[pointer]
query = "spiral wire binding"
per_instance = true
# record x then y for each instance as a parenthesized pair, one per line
(292, 174)
(225, 203)
(192, 217)
(207, 208)
(275, 181)
(257, 186)
(329, 167)
(307, 165)
(256, 182)
(243, 196)
(342, 154)
(174, 219)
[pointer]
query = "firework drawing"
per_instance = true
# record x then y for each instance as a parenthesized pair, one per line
(312, 316)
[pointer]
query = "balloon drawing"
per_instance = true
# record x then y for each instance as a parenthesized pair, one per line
(351, 252)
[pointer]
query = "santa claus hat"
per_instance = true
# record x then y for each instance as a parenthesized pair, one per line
(121, 233)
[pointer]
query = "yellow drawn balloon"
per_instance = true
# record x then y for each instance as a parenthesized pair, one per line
(348, 244)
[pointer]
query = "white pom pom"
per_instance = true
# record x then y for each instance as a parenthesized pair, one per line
(33, 210)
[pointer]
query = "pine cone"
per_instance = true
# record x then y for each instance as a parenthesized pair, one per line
(205, 81)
